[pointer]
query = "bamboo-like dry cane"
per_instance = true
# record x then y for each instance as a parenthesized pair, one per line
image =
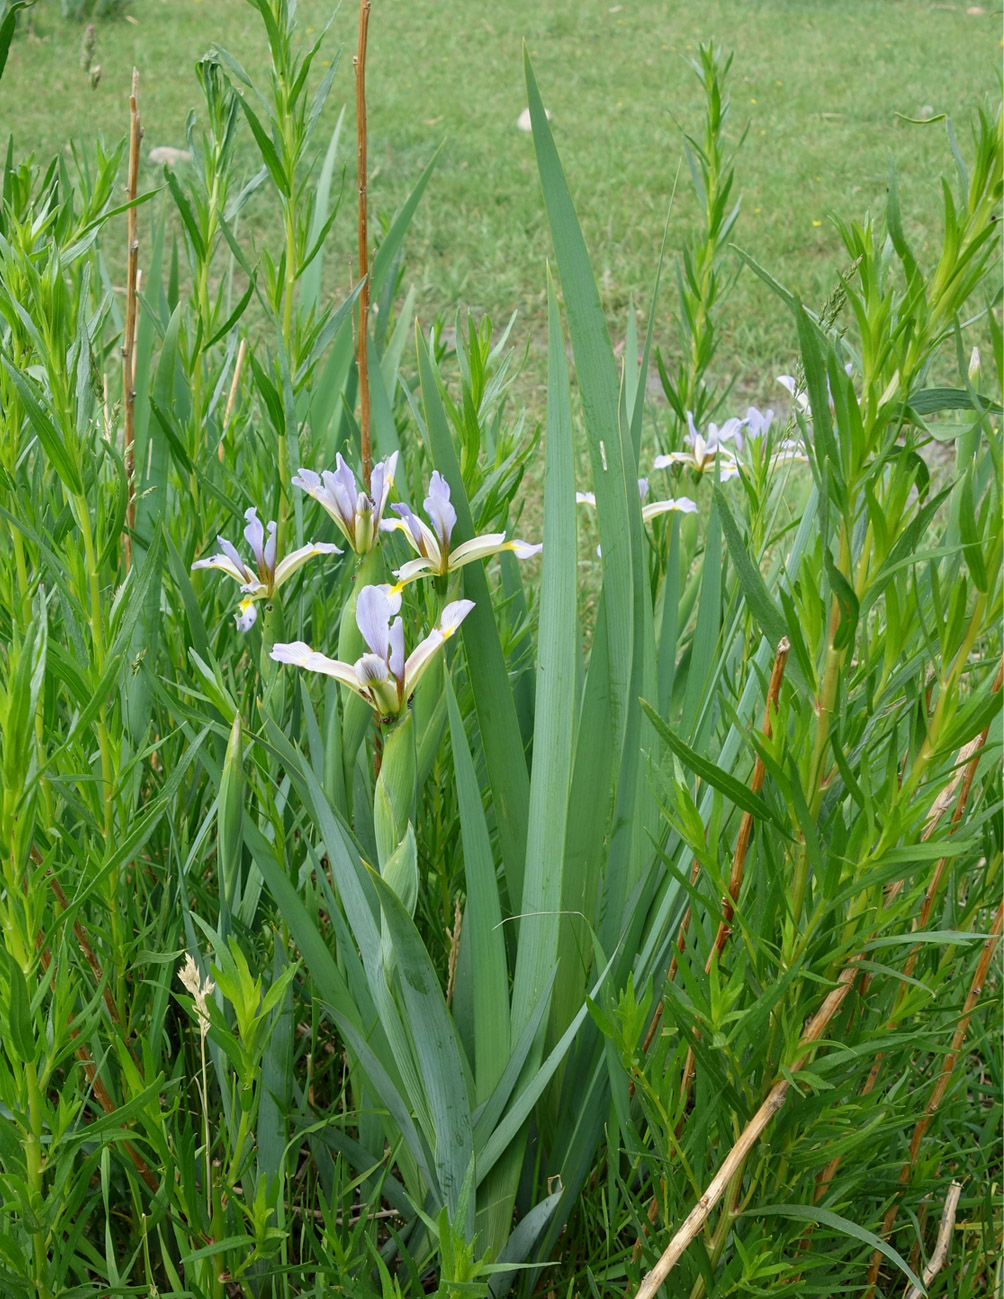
(362, 360)
(235, 384)
(698, 1216)
(941, 1084)
(129, 331)
(940, 1254)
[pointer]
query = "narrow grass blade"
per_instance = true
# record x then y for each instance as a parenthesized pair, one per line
(383, 259)
(813, 1213)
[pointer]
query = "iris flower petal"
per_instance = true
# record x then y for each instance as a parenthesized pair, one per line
(298, 558)
(254, 535)
(683, 504)
(373, 615)
(225, 564)
(440, 509)
(300, 654)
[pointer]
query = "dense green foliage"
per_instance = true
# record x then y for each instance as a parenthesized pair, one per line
(663, 877)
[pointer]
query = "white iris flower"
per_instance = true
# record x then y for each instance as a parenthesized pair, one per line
(260, 582)
(432, 544)
(356, 513)
(382, 676)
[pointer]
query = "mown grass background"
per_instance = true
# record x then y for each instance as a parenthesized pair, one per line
(824, 88)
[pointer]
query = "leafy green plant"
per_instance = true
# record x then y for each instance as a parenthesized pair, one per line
(520, 924)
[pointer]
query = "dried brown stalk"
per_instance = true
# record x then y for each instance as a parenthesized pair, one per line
(235, 383)
(129, 331)
(362, 364)
(698, 1216)
(940, 1254)
(941, 1085)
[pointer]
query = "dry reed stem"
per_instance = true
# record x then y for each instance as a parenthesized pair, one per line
(235, 383)
(362, 361)
(129, 330)
(940, 1254)
(698, 1216)
(941, 1084)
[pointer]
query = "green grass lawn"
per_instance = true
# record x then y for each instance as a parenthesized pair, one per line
(824, 87)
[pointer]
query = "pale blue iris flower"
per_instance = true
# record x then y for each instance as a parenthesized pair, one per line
(260, 582)
(432, 544)
(356, 513)
(753, 426)
(703, 450)
(382, 676)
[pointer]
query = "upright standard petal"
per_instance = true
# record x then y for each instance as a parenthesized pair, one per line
(254, 535)
(381, 481)
(373, 620)
(440, 509)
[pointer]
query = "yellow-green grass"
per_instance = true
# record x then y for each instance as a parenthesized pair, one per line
(825, 88)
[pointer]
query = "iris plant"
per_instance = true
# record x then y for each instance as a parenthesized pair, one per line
(382, 676)
(356, 513)
(260, 582)
(432, 544)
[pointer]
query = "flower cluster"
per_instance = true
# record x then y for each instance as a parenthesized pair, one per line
(383, 676)
(357, 514)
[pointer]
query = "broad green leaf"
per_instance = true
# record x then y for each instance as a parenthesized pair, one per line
(554, 722)
(496, 710)
(482, 919)
(437, 1049)
(618, 506)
